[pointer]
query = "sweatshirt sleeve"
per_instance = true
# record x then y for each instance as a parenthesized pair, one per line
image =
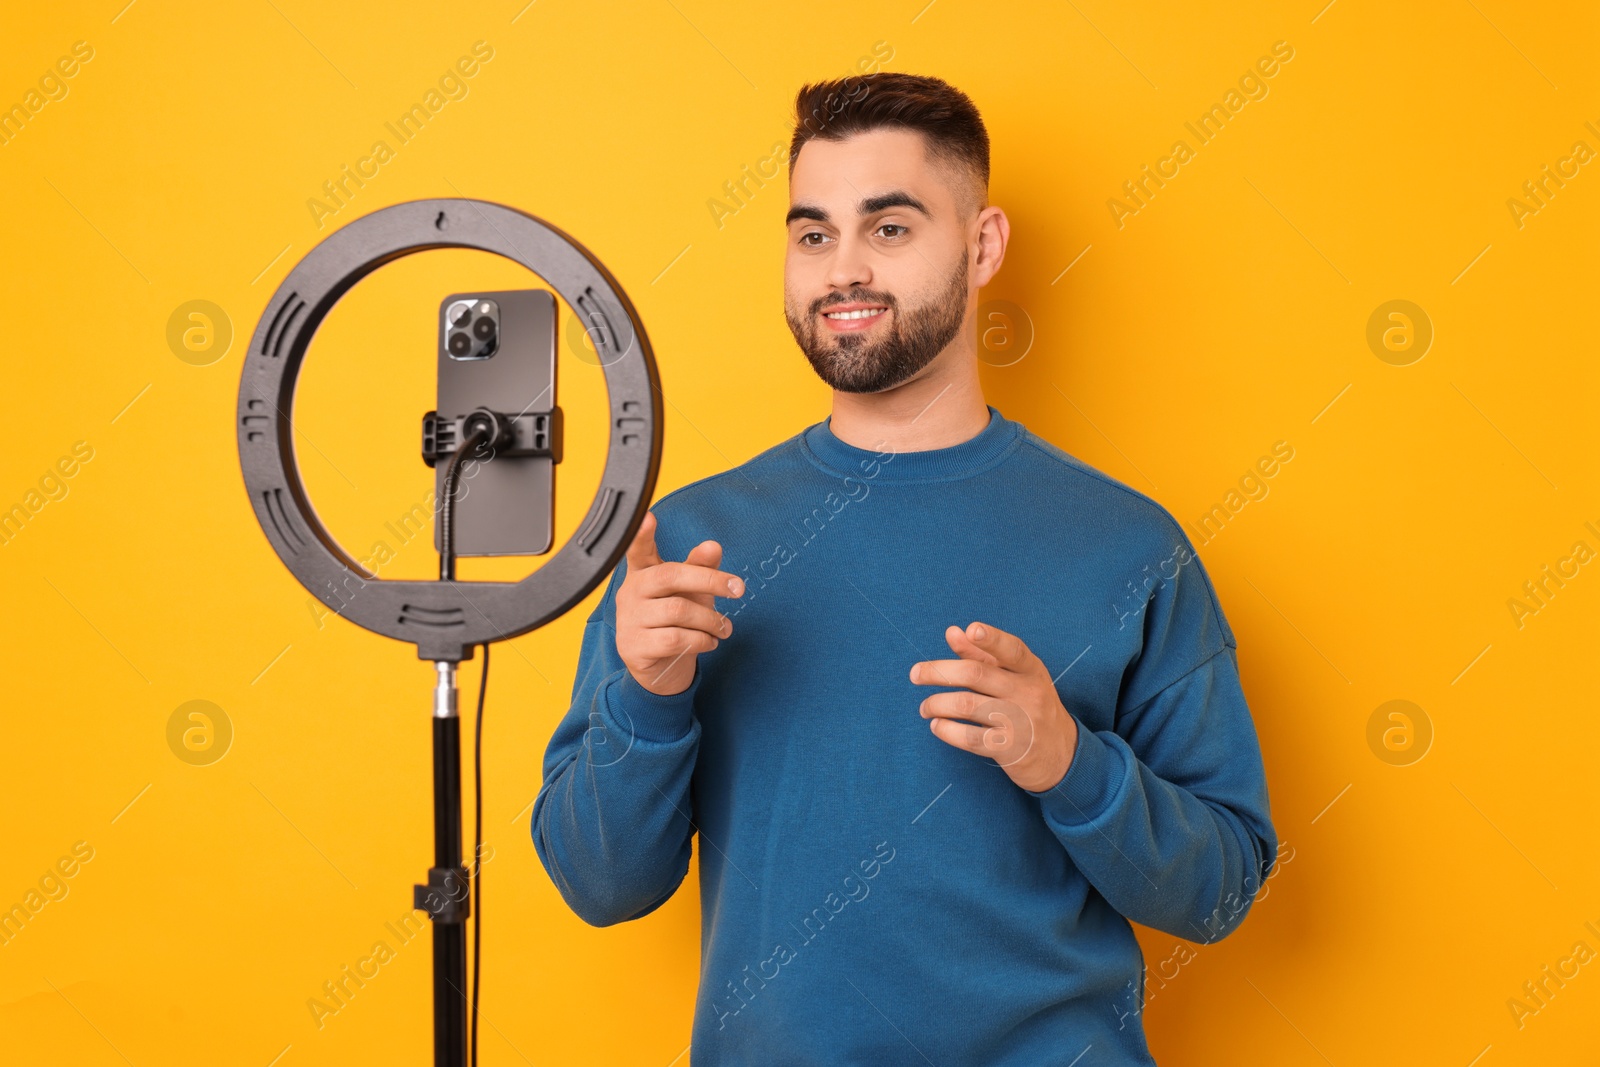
(611, 822)
(1167, 814)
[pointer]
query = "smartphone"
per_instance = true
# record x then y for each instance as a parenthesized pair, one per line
(497, 350)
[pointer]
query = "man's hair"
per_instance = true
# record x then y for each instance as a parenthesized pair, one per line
(945, 116)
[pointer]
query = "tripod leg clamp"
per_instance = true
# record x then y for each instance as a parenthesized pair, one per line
(446, 897)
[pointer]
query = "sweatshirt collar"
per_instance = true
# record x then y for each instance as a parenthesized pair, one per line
(961, 460)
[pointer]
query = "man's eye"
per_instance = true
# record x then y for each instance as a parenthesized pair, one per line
(892, 226)
(806, 239)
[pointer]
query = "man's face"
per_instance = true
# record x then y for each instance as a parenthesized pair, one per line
(875, 276)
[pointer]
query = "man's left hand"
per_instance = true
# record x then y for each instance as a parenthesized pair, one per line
(1027, 730)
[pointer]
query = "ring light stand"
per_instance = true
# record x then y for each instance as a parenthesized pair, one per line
(445, 619)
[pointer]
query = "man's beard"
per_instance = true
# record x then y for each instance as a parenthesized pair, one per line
(850, 363)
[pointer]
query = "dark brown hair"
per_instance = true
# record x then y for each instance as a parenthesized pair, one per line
(943, 114)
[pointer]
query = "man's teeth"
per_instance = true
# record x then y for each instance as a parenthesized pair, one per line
(865, 314)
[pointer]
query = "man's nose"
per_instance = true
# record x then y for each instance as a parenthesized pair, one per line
(850, 264)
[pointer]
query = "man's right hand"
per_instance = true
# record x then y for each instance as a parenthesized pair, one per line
(665, 614)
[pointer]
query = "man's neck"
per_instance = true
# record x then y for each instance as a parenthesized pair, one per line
(940, 408)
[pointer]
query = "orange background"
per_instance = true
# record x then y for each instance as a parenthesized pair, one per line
(1228, 314)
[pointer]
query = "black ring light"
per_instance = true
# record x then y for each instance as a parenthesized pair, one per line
(444, 619)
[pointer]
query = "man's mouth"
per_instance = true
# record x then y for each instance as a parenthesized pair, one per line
(853, 316)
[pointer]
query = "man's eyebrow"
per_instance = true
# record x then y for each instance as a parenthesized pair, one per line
(869, 206)
(805, 211)
(874, 204)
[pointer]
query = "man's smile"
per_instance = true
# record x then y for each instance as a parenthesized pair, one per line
(849, 318)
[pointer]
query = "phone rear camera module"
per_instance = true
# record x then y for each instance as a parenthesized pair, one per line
(471, 328)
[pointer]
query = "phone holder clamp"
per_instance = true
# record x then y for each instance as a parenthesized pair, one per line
(445, 898)
(526, 434)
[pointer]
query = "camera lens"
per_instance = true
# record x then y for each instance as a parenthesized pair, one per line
(460, 344)
(462, 319)
(483, 329)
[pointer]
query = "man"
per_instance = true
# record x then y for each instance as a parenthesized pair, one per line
(910, 853)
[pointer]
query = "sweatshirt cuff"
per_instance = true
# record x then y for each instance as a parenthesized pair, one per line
(650, 716)
(1092, 781)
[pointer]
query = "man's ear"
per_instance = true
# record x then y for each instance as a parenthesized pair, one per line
(993, 232)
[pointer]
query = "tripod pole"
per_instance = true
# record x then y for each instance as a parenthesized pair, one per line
(445, 898)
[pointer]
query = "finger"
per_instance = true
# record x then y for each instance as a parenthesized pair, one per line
(677, 611)
(705, 554)
(642, 551)
(996, 728)
(1008, 649)
(968, 673)
(974, 739)
(963, 646)
(687, 579)
(973, 707)
(673, 642)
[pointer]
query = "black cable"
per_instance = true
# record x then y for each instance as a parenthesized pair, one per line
(447, 573)
(452, 475)
(477, 850)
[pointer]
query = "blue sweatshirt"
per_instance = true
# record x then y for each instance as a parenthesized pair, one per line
(870, 894)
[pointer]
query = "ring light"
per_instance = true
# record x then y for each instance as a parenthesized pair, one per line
(444, 619)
